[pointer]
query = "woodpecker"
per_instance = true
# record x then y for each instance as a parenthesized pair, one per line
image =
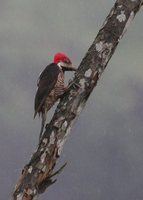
(51, 86)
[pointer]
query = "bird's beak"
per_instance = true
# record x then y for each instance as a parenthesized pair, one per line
(70, 68)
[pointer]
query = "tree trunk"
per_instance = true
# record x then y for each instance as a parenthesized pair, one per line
(38, 173)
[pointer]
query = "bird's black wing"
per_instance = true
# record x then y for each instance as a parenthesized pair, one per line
(46, 83)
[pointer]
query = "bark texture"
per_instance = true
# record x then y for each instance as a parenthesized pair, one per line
(38, 173)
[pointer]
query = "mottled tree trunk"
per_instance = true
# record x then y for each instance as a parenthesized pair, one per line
(37, 174)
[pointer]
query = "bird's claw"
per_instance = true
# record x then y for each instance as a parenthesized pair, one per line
(77, 85)
(70, 81)
(74, 84)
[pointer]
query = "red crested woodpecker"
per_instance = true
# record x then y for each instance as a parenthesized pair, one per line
(51, 86)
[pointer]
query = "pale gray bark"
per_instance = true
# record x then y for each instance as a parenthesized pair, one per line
(37, 175)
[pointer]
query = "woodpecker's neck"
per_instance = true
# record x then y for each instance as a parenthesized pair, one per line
(60, 65)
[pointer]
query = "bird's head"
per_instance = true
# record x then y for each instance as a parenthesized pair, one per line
(64, 62)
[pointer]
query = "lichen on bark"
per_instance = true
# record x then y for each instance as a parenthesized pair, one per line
(38, 174)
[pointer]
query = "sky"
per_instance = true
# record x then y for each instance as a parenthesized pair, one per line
(105, 148)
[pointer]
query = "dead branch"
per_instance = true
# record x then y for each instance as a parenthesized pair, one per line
(38, 173)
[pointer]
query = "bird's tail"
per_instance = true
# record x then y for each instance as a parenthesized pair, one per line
(42, 125)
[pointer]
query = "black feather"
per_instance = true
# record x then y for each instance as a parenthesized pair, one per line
(46, 83)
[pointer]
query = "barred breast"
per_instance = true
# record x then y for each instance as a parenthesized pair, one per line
(56, 92)
(59, 87)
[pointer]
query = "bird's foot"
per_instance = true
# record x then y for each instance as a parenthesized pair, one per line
(73, 84)
(76, 85)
